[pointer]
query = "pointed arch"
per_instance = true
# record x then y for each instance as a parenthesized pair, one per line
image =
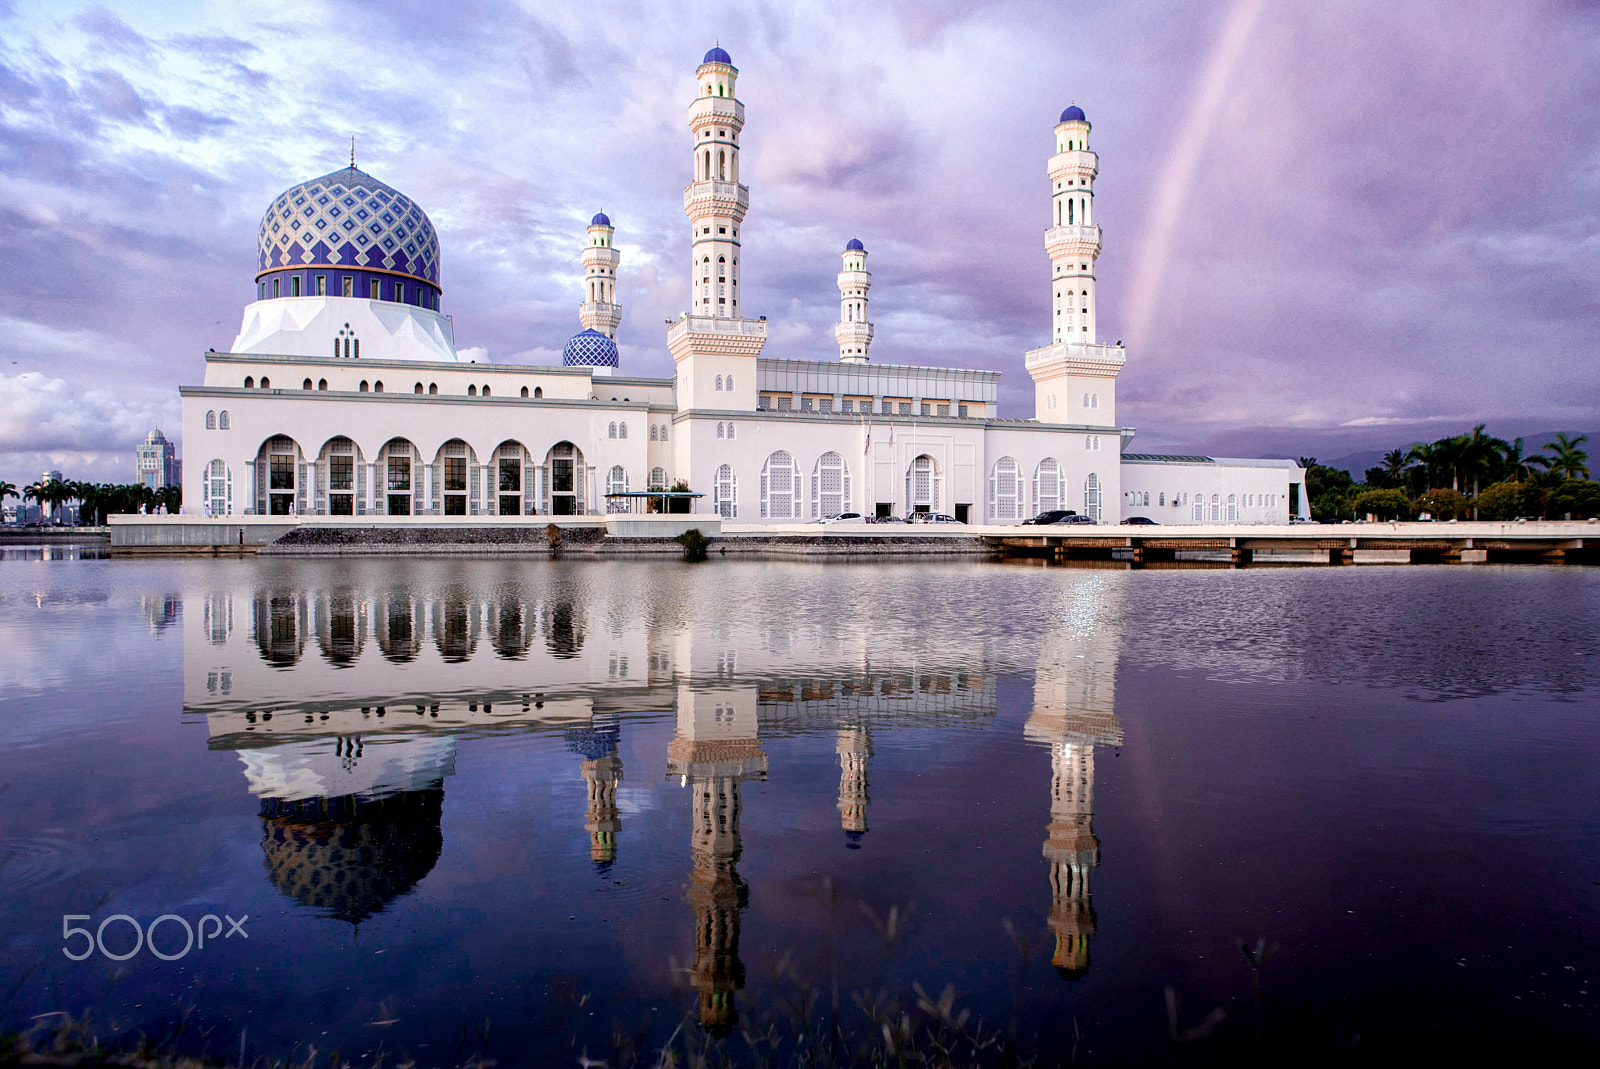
(830, 486)
(780, 487)
(725, 493)
(1005, 491)
(1049, 488)
(1091, 497)
(923, 485)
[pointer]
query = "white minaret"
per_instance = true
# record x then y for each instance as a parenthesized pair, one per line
(1074, 376)
(1074, 241)
(854, 330)
(716, 358)
(715, 202)
(600, 310)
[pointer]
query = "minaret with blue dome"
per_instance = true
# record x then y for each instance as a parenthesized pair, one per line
(854, 330)
(1073, 241)
(600, 310)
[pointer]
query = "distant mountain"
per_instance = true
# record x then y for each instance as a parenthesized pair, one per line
(1357, 463)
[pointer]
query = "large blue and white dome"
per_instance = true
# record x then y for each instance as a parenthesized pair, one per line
(590, 348)
(1073, 114)
(717, 55)
(361, 237)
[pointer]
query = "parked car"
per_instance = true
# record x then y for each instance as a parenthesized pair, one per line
(932, 517)
(843, 517)
(1073, 517)
(1050, 516)
(1142, 521)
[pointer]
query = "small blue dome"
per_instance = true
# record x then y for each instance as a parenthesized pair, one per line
(589, 348)
(717, 55)
(1072, 113)
(854, 245)
(600, 219)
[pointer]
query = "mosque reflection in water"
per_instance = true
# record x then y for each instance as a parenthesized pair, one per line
(351, 779)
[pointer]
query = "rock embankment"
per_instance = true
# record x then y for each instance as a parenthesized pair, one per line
(309, 541)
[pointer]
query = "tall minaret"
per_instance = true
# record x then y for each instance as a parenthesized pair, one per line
(600, 310)
(715, 201)
(854, 330)
(715, 358)
(854, 747)
(1074, 377)
(1073, 242)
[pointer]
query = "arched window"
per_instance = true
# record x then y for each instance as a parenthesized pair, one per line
(1216, 508)
(363, 387)
(725, 493)
(377, 387)
(1091, 497)
(486, 390)
(719, 383)
(1233, 508)
(322, 384)
(1049, 489)
(1005, 490)
(923, 485)
(1197, 508)
(1069, 211)
(622, 430)
(1094, 402)
(730, 430)
(1088, 441)
(265, 385)
(1085, 400)
(524, 391)
(722, 157)
(1161, 499)
(663, 432)
(616, 483)
(306, 385)
(249, 382)
(655, 432)
(538, 391)
(417, 388)
(729, 384)
(658, 478)
(472, 391)
(211, 420)
(222, 419)
(611, 430)
(433, 387)
(218, 489)
(721, 431)
(830, 486)
(780, 488)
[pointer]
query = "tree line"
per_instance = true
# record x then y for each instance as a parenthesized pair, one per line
(1465, 476)
(95, 501)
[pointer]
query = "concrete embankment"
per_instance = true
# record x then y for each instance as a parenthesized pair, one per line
(34, 536)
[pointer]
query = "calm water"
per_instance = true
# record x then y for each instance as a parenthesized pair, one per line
(514, 808)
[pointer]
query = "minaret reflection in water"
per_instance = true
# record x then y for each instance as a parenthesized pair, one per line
(854, 747)
(602, 771)
(1074, 711)
(715, 749)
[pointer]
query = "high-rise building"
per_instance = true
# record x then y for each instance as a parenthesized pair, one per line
(158, 461)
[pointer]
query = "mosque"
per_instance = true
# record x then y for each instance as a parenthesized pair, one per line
(344, 393)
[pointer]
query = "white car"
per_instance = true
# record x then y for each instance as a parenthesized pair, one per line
(844, 517)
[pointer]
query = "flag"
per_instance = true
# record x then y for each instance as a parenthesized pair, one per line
(868, 450)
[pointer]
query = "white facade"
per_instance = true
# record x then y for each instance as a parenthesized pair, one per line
(1209, 490)
(298, 419)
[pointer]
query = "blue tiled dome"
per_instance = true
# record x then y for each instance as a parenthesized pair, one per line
(1072, 113)
(600, 219)
(589, 348)
(854, 245)
(351, 220)
(717, 55)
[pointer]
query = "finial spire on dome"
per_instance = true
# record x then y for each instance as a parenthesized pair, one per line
(352, 152)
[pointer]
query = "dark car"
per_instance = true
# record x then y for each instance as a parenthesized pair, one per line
(1142, 521)
(1073, 517)
(1052, 516)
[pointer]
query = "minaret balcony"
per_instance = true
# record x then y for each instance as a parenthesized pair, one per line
(1070, 238)
(722, 326)
(716, 109)
(1076, 356)
(723, 195)
(600, 308)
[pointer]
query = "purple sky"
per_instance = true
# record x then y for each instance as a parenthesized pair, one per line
(1328, 227)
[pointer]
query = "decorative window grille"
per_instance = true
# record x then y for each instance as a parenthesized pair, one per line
(616, 483)
(1091, 497)
(780, 488)
(658, 478)
(664, 432)
(211, 420)
(1233, 508)
(725, 493)
(922, 484)
(222, 420)
(1005, 490)
(219, 485)
(1048, 486)
(830, 486)
(1197, 510)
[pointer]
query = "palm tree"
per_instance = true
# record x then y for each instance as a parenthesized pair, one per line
(1565, 458)
(1395, 463)
(1479, 453)
(1513, 464)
